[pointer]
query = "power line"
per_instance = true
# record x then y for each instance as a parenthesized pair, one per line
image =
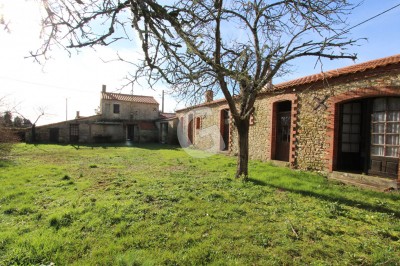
(44, 85)
(367, 20)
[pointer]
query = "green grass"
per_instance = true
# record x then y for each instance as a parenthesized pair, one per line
(155, 205)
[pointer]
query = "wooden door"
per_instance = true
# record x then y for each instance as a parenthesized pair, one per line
(225, 129)
(385, 140)
(283, 136)
(190, 130)
(54, 135)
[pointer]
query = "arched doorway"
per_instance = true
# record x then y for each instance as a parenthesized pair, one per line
(368, 136)
(190, 130)
(282, 130)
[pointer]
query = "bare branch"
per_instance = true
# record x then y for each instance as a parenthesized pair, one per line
(233, 47)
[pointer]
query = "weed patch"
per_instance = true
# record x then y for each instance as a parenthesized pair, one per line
(64, 221)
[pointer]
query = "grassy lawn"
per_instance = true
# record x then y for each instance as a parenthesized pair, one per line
(155, 205)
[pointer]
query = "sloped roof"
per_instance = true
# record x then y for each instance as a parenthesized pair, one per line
(395, 59)
(222, 100)
(94, 117)
(167, 115)
(369, 65)
(128, 98)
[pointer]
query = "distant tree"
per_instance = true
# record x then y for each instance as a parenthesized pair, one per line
(7, 136)
(7, 119)
(236, 47)
(26, 122)
(17, 122)
(7, 139)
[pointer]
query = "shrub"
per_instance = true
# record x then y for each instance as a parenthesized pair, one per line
(7, 139)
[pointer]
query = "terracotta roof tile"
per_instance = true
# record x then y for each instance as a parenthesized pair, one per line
(128, 98)
(167, 115)
(395, 59)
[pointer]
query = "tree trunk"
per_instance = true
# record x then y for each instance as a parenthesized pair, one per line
(242, 127)
(33, 131)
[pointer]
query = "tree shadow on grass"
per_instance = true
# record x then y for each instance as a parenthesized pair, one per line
(146, 146)
(78, 146)
(335, 198)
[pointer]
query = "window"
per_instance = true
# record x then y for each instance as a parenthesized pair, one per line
(116, 108)
(198, 122)
(74, 132)
(385, 127)
(74, 129)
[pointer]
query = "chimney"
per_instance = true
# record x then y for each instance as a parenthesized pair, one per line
(269, 86)
(77, 115)
(103, 89)
(209, 96)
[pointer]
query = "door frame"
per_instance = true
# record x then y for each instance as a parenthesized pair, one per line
(333, 116)
(282, 153)
(271, 137)
(134, 128)
(364, 123)
(190, 129)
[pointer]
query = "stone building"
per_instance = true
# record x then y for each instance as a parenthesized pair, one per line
(122, 117)
(345, 122)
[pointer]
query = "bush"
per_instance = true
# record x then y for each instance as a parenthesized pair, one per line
(7, 139)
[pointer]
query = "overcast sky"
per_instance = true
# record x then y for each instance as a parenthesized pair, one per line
(75, 82)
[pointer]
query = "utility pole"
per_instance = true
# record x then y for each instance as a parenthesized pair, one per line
(66, 109)
(162, 102)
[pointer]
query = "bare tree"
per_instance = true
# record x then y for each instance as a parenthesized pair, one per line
(40, 112)
(11, 122)
(236, 47)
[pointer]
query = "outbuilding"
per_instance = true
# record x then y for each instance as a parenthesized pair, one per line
(344, 122)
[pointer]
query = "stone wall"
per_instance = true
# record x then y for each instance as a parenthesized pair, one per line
(262, 127)
(103, 132)
(94, 130)
(317, 107)
(206, 127)
(313, 108)
(129, 110)
(42, 133)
